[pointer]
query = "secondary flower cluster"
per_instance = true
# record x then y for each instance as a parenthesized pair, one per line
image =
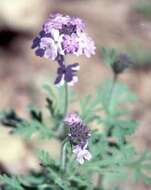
(78, 135)
(62, 35)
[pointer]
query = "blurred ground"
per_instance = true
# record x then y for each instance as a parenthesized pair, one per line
(113, 23)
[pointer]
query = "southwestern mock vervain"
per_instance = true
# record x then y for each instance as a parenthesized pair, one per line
(60, 36)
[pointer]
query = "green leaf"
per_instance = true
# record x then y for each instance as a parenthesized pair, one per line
(10, 118)
(112, 96)
(45, 158)
(115, 178)
(53, 96)
(98, 144)
(12, 181)
(123, 128)
(109, 55)
(55, 176)
(28, 129)
(33, 179)
(89, 107)
(35, 114)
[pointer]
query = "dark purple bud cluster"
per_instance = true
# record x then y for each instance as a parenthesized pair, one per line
(79, 133)
(121, 63)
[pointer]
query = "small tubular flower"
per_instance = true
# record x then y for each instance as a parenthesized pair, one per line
(86, 45)
(81, 154)
(70, 44)
(67, 74)
(72, 118)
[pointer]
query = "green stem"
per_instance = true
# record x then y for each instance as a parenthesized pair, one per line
(66, 99)
(64, 144)
(110, 96)
(61, 132)
(63, 155)
(115, 76)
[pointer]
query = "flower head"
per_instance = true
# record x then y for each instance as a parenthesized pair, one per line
(79, 133)
(66, 36)
(62, 35)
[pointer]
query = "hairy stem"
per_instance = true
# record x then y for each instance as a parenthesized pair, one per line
(64, 144)
(66, 99)
(115, 76)
(110, 96)
(63, 155)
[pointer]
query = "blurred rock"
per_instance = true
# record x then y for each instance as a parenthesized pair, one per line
(52, 146)
(23, 14)
(14, 155)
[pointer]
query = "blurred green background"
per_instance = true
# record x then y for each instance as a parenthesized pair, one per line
(121, 24)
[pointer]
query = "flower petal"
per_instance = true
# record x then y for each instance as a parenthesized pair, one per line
(59, 80)
(55, 34)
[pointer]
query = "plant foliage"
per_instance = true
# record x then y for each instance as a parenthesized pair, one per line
(114, 158)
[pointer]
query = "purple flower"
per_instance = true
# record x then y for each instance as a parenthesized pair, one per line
(78, 136)
(49, 45)
(81, 154)
(80, 25)
(72, 118)
(79, 133)
(52, 45)
(66, 36)
(67, 74)
(86, 45)
(68, 29)
(62, 35)
(70, 44)
(55, 21)
(36, 40)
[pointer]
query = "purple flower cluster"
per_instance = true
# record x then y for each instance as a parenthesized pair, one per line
(78, 135)
(62, 35)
